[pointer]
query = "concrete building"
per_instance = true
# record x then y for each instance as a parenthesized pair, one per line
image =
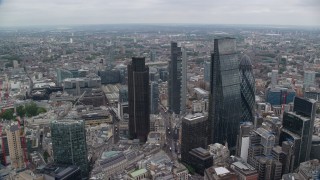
(219, 152)
(243, 140)
(220, 173)
(261, 145)
(244, 171)
(15, 147)
(139, 174)
(180, 172)
(274, 78)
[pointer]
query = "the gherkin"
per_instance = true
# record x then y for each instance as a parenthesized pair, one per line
(247, 86)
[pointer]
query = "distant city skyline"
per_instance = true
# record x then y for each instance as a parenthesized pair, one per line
(81, 12)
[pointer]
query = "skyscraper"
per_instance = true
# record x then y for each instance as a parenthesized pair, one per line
(139, 99)
(184, 82)
(177, 80)
(225, 98)
(297, 128)
(247, 87)
(206, 66)
(15, 147)
(274, 78)
(309, 78)
(69, 143)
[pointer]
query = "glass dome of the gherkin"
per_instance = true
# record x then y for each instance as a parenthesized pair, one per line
(245, 62)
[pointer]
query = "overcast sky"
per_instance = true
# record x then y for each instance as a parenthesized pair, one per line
(64, 12)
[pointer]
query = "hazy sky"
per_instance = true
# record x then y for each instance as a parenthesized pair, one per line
(61, 12)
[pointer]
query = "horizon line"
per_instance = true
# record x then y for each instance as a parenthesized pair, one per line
(157, 24)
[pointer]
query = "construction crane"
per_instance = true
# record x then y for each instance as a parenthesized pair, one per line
(78, 100)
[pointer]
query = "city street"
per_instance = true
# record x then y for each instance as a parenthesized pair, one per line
(170, 144)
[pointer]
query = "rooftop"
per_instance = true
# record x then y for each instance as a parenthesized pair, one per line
(138, 172)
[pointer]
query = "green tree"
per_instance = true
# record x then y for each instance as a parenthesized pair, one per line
(41, 110)
(31, 109)
(45, 156)
(21, 111)
(7, 114)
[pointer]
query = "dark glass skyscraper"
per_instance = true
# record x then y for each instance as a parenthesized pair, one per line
(225, 99)
(194, 134)
(247, 87)
(177, 80)
(139, 99)
(297, 127)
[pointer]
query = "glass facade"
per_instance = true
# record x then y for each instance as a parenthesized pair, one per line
(206, 66)
(247, 87)
(110, 76)
(175, 79)
(299, 124)
(63, 74)
(279, 96)
(139, 99)
(225, 97)
(69, 143)
(194, 134)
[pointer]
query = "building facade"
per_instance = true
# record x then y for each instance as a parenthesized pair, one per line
(194, 134)
(69, 143)
(15, 147)
(177, 79)
(309, 78)
(297, 127)
(154, 98)
(206, 66)
(274, 78)
(225, 98)
(139, 99)
(247, 87)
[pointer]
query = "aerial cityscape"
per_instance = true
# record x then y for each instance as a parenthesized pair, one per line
(158, 101)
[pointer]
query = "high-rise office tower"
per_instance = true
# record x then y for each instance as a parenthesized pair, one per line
(194, 134)
(225, 98)
(247, 87)
(274, 78)
(69, 143)
(139, 99)
(297, 128)
(15, 148)
(153, 55)
(177, 79)
(154, 97)
(184, 82)
(309, 78)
